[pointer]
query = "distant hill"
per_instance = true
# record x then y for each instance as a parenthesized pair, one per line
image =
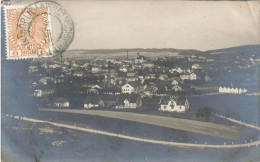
(243, 51)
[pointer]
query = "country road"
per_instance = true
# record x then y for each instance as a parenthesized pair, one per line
(206, 128)
(177, 144)
(239, 122)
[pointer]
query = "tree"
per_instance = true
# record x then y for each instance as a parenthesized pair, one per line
(204, 113)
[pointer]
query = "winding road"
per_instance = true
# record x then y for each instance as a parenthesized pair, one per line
(176, 144)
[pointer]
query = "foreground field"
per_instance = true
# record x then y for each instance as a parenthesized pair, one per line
(206, 128)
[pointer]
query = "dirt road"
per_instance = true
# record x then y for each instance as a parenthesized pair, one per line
(176, 144)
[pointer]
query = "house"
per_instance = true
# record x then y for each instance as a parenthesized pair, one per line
(127, 88)
(173, 104)
(128, 101)
(148, 65)
(131, 74)
(112, 91)
(179, 70)
(174, 82)
(74, 65)
(185, 76)
(95, 69)
(44, 92)
(231, 90)
(163, 77)
(132, 87)
(188, 76)
(193, 76)
(33, 69)
(44, 81)
(53, 66)
(176, 88)
(61, 102)
(210, 60)
(93, 101)
(131, 79)
(78, 74)
(195, 66)
(93, 91)
(123, 69)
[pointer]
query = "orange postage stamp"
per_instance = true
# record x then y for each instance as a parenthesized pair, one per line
(28, 32)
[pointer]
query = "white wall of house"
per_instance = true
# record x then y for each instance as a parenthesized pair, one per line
(127, 88)
(88, 106)
(231, 90)
(62, 104)
(172, 107)
(193, 76)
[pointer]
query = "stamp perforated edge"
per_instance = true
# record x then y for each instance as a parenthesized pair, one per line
(6, 29)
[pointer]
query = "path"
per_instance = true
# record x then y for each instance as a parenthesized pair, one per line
(177, 144)
(238, 122)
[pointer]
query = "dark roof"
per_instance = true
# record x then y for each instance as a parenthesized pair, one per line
(109, 98)
(135, 84)
(177, 99)
(132, 98)
(151, 101)
(92, 99)
(112, 89)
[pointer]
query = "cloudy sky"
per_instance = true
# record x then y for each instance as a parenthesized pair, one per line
(198, 25)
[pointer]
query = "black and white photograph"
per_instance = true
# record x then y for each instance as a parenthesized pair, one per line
(130, 81)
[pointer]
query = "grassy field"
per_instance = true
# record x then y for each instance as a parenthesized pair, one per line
(206, 128)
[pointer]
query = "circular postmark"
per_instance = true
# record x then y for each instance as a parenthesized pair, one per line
(45, 21)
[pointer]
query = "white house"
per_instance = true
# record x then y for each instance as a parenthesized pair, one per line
(95, 69)
(173, 104)
(54, 66)
(231, 90)
(179, 70)
(187, 76)
(61, 102)
(193, 76)
(33, 69)
(175, 82)
(123, 69)
(127, 88)
(195, 66)
(78, 74)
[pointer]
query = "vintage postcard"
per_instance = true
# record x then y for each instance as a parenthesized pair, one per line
(124, 80)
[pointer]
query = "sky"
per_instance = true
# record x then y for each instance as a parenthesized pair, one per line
(201, 25)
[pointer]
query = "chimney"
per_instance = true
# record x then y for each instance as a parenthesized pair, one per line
(127, 54)
(109, 75)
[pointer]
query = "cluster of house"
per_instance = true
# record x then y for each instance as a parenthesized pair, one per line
(127, 101)
(194, 58)
(127, 97)
(232, 90)
(115, 83)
